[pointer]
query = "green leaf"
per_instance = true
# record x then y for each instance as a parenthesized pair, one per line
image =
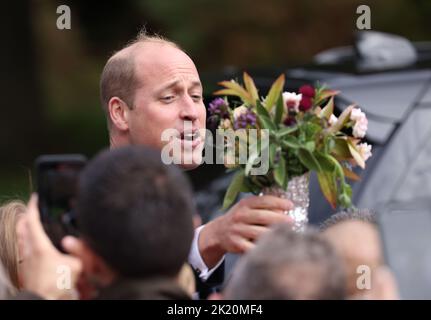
(251, 88)
(286, 182)
(350, 174)
(325, 161)
(255, 183)
(235, 89)
(341, 150)
(279, 110)
(264, 117)
(311, 130)
(232, 92)
(233, 189)
(261, 111)
(290, 142)
(325, 94)
(342, 119)
(348, 190)
(285, 131)
(250, 185)
(280, 172)
(267, 123)
(356, 155)
(328, 110)
(272, 152)
(310, 146)
(245, 188)
(329, 144)
(328, 186)
(308, 160)
(345, 198)
(250, 161)
(274, 92)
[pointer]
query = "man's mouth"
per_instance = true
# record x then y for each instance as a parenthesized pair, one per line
(190, 135)
(190, 138)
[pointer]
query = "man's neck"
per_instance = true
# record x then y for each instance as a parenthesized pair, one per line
(116, 141)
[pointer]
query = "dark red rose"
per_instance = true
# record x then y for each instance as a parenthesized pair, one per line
(290, 121)
(305, 104)
(307, 91)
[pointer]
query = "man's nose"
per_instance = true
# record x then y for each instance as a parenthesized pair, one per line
(189, 109)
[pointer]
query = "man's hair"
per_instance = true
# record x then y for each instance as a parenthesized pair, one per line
(118, 77)
(136, 212)
(364, 215)
(288, 265)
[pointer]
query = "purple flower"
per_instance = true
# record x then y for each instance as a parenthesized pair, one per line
(245, 120)
(219, 107)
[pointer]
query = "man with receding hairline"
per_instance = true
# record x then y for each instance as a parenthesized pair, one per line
(355, 237)
(287, 265)
(150, 86)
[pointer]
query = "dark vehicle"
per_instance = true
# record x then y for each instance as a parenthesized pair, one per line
(389, 78)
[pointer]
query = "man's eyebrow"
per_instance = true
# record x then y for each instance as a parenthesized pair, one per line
(173, 83)
(196, 83)
(169, 85)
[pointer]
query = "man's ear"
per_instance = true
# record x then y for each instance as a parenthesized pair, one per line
(119, 113)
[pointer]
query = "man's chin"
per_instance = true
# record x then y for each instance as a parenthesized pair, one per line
(191, 162)
(189, 166)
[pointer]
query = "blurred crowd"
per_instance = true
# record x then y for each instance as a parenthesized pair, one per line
(140, 236)
(136, 221)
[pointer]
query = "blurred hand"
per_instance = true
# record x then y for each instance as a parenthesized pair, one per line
(95, 273)
(238, 229)
(45, 271)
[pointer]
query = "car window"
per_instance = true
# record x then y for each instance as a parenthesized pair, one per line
(426, 99)
(403, 171)
(387, 96)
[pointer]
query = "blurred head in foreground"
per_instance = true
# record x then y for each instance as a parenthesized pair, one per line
(6, 289)
(10, 214)
(134, 216)
(287, 265)
(355, 237)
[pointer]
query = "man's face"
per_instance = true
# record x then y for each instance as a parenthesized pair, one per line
(168, 96)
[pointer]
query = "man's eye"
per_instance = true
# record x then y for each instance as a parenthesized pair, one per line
(197, 97)
(168, 98)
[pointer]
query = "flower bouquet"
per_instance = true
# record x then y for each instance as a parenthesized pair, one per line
(296, 133)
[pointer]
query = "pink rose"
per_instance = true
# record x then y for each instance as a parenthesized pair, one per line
(364, 150)
(361, 123)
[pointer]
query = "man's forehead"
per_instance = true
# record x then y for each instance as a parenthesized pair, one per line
(155, 58)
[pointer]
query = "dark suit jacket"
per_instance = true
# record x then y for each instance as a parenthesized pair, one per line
(213, 283)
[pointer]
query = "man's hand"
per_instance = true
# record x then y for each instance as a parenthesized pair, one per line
(45, 271)
(238, 229)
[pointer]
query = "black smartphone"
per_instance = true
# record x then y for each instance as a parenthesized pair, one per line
(57, 186)
(406, 238)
